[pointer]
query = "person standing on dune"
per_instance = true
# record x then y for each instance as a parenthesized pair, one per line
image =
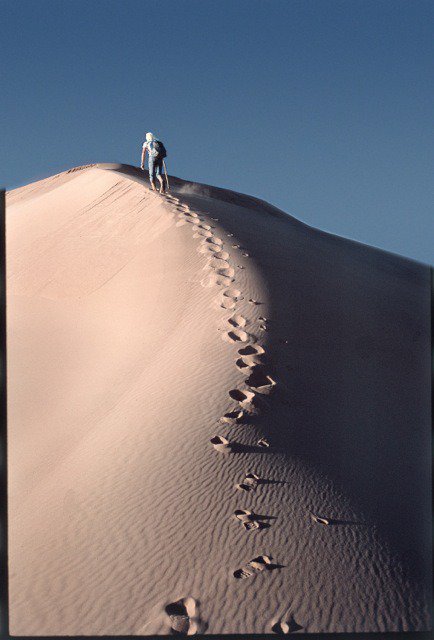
(156, 154)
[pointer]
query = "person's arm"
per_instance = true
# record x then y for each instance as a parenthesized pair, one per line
(142, 166)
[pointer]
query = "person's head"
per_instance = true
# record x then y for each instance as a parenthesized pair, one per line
(149, 137)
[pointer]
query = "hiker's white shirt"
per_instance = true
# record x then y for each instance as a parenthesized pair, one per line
(149, 146)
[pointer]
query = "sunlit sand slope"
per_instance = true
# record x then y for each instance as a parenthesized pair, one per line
(219, 417)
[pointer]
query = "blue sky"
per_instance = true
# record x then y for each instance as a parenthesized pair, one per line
(321, 107)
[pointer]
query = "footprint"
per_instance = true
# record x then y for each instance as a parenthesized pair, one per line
(243, 487)
(230, 235)
(237, 321)
(214, 240)
(263, 443)
(215, 277)
(259, 380)
(235, 246)
(250, 482)
(242, 514)
(209, 246)
(221, 255)
(221, 444)
(217, 263)
(215, 219)
(184, 617)
(251, 355)
(236, 335)
(209, 249)
(240, 266)
(228, 304)
(284, 627)
(232, 293)
(251, 350)
(262, 318)
(263, 327)
(245, 254)
(241, 364)
(243, 397)
(232, 416)
(320, 520)
(248, 363)
(247, 519)
(252, 525)
(201, 233)
(254, 566)
(228, 271)
(253, 301)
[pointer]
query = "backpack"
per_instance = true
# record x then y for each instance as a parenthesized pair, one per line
(159, 150)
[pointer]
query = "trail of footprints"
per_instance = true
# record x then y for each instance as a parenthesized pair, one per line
(183, 614)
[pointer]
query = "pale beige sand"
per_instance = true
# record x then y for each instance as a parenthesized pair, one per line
(135, 323)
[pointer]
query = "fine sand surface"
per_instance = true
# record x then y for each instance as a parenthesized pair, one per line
(162, 351)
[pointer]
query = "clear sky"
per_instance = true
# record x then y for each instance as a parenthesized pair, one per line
(324, 108)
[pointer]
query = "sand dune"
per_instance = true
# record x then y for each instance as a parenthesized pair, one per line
(219, 417)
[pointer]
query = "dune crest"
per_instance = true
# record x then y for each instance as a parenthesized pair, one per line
(147, 335)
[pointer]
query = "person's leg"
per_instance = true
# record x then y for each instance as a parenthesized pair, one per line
(159, 172)
(151, 173)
